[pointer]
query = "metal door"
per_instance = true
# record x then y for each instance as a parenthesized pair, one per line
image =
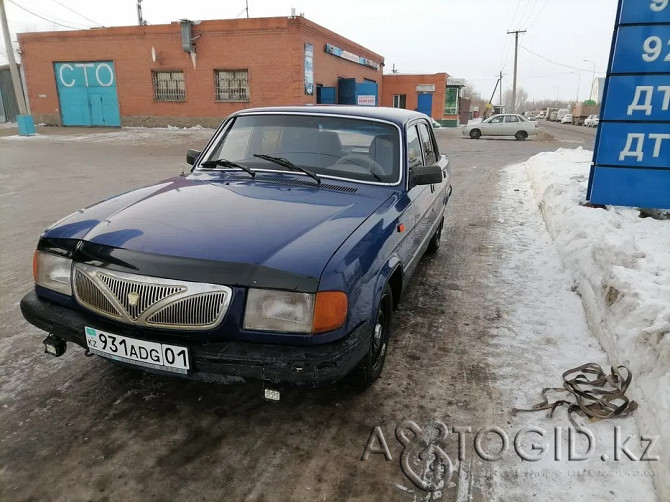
(87, 93)
(325, 95)
(425, 104)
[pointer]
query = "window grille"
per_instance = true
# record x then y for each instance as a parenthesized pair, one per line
(231, 85)
(169, 85)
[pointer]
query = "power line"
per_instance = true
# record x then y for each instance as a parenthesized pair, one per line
(539, 13)
(42, 17)
(550, 61)
(80, 15)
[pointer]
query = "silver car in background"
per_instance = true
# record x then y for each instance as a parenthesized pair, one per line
(509, 124)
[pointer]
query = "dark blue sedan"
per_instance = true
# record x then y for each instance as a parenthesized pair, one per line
(280, 257)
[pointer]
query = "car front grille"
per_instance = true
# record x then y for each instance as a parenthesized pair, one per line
(150, 301)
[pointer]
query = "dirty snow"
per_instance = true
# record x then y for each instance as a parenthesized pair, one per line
(130, 135)
(619, 264)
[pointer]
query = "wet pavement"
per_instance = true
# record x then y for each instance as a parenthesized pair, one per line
(77, 428)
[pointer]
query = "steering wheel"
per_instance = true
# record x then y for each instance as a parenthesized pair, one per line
(361, 160)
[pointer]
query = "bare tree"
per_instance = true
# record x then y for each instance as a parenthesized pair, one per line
(521, 100)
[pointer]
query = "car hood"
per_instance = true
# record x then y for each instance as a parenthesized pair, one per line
(291, 228)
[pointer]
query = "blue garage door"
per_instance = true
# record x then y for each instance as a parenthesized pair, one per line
(87, 93)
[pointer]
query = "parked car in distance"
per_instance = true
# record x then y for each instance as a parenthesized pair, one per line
(562, 112)
(502, 125)
(281, 255)
(567, 119)
(552, 116)
(591, 121)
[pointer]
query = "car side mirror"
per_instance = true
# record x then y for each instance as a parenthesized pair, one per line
(192, 156)
(425, 175)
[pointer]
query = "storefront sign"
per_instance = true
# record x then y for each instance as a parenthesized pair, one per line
(425, 88)
(630, 161)
(309, 69)
(366, 100)
(460, 82)
(336, 51)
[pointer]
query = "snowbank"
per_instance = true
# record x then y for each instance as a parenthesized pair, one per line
(620, 263)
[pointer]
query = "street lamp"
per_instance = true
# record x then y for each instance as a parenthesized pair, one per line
(593, 80)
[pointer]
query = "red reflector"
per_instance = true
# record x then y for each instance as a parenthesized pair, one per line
(401, 227)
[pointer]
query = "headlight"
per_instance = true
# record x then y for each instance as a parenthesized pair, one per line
(270, 310)
(53, 272)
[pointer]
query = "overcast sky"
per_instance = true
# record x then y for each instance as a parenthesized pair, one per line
(465, 38)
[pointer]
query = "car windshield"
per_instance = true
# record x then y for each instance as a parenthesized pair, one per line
(361, 150)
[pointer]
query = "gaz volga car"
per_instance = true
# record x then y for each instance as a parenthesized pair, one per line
(279, 257)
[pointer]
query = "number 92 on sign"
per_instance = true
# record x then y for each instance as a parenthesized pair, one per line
(138, 352)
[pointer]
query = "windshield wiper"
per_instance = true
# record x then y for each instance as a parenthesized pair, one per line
(227, 163)
(287, 164)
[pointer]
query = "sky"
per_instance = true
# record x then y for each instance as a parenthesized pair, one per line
(464, 38)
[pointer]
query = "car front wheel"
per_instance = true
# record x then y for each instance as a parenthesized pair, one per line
(521, 135)
(371, 365)
(475, 134)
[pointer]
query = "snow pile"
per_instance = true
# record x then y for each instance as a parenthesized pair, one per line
(620, 263)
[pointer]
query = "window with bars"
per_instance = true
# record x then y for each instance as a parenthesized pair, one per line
(231, 85)
(399, 100)
(169, 85)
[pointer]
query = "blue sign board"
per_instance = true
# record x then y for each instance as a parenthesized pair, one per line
(642, 49)
(634, 144)
(647, 98)
(644, 12)
(631, 162)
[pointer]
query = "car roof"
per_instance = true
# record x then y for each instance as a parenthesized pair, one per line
(398, 116)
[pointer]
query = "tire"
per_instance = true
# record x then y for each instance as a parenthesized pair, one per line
(475, 134)
(434, 244)
(370, 367)
(521, 135)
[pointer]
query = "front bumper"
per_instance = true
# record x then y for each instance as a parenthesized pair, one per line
(301, 365)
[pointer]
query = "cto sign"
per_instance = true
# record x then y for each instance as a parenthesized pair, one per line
(631, 162)
(71, 74)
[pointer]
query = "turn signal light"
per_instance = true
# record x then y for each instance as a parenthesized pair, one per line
(330, 311)
(35, 266)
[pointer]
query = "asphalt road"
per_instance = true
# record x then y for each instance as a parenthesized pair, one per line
(78, 428)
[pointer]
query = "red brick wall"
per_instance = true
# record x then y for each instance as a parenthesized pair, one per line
(272, 49)
(395, 83)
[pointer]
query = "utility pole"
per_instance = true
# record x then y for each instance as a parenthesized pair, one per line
(593, 79)
(501, 106)
(24, 121)
(516, 50)
(247, 9)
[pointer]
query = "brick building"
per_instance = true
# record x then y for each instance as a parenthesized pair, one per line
(436, 95)
(189, 73)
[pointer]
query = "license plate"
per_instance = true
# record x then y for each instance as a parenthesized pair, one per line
(139, 352)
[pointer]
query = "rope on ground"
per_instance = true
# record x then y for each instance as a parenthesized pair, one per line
(591, 393)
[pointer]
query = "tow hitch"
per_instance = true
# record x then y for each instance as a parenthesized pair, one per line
(54, 346)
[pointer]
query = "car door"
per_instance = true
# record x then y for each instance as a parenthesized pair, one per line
(419, 195)
(431, 156)
(494, 126)
(511, 125)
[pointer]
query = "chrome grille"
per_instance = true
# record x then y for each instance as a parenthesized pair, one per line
(150, 301)
(199, 310)
(90, 295)
(148, 294)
